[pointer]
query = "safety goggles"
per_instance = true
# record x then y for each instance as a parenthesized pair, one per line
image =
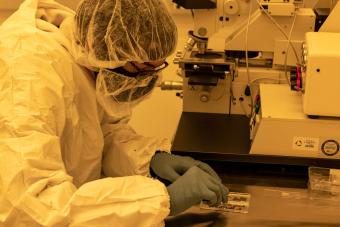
(149, 69)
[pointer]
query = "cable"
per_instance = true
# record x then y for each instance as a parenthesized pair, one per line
(247, 35)
(241, 102)
(247, 57)
(281, 30)
(287, 48)
(263, 78)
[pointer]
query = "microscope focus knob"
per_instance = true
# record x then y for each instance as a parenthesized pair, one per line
(231, 7)
(204, 96)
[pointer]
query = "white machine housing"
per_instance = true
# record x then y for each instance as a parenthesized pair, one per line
(322, 74)
(283, 126)
(282, 129)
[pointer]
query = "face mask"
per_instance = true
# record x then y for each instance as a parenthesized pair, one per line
(125, 89)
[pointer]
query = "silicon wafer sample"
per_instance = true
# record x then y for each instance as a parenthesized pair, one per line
(237, 202)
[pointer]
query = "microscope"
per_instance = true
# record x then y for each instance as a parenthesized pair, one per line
(239, 34)
(261, 77)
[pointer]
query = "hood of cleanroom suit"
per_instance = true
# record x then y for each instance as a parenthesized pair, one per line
(67, 156)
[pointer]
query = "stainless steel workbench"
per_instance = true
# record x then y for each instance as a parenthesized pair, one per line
(278, 185)
(269, 207)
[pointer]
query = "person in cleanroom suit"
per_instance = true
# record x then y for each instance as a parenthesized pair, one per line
(68, 81)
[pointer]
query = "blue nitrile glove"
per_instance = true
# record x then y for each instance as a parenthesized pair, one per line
(170, 167)
(193, 187)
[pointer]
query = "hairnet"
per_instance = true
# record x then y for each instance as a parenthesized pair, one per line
(111, 31)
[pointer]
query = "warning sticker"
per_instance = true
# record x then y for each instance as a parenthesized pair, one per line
(305, 143)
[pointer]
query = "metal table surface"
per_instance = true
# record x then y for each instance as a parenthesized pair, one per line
(278, 185)
(269, 207)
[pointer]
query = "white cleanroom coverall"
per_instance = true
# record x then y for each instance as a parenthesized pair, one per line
(57, 141)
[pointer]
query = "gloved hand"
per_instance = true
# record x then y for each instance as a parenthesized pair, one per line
(193, 187)
(170, 167)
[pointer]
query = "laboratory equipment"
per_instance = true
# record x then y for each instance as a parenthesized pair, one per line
(235, 45)
(230, 37)
(308, 119)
